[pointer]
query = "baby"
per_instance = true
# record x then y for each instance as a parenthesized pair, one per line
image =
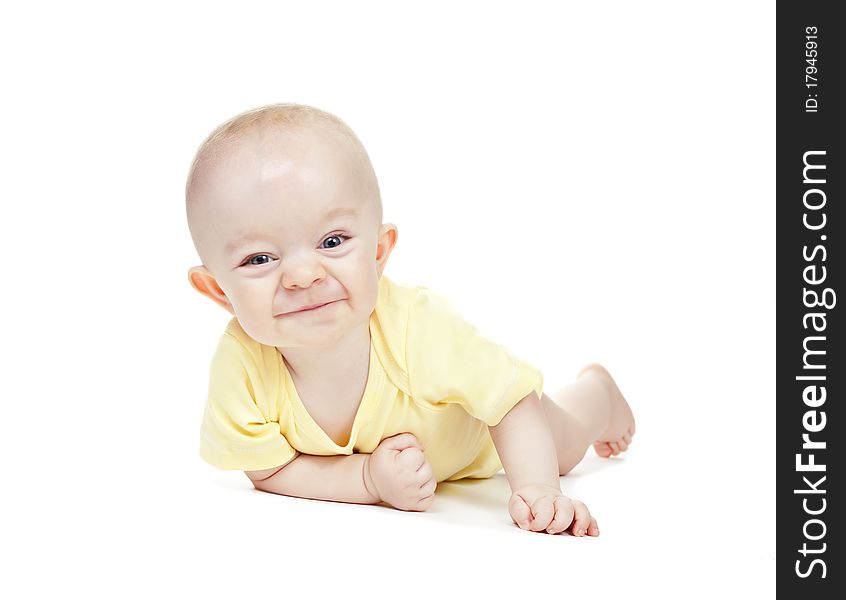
(332, 381)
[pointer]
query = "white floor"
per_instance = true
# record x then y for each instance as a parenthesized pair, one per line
(687, 512)
(670, 527)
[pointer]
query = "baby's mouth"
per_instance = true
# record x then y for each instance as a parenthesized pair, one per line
(307, 309)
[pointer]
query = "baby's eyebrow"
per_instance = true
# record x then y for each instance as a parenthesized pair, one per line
(337, 212)
(236, 244)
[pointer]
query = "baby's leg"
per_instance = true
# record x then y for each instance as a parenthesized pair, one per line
(589, 411)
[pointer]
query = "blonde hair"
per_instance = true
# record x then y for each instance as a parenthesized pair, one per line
(287, 117)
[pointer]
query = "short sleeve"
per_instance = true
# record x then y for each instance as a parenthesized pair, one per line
(235, 434)
(450, 361)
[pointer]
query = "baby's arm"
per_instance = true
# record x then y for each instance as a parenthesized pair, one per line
(335, 478)
(525, 445)
(526, 449)
(396, 472)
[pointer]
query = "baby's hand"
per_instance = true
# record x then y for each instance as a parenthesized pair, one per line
(400, 473)
(545, 508)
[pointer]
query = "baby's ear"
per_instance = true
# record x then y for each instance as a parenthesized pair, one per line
(387, 241)
(205, 283)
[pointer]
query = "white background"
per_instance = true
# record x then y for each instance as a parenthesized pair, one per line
(585, 181)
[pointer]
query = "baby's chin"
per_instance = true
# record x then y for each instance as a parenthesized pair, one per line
(307, 341)
(284, 337)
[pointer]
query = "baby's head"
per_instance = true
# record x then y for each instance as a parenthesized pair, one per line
(284, 210)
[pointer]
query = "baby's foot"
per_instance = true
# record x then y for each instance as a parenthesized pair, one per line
(621, 424)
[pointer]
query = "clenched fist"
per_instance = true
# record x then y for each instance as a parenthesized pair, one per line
(545, 508)
(399, 474)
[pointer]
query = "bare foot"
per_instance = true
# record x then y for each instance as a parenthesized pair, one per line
(621, 424)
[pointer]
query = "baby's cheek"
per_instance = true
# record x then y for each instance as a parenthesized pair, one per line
(260, 330)
(255, 332)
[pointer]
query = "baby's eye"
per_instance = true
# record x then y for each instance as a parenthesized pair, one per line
(336, 235)
(253, 260)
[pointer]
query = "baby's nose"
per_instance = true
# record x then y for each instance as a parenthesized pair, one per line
(302, 273)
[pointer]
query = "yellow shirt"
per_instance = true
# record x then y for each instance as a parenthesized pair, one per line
(431, 374)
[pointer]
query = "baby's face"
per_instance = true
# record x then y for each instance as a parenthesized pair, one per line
(285, 222)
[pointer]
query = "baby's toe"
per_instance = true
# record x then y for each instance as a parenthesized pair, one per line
(602, 449)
